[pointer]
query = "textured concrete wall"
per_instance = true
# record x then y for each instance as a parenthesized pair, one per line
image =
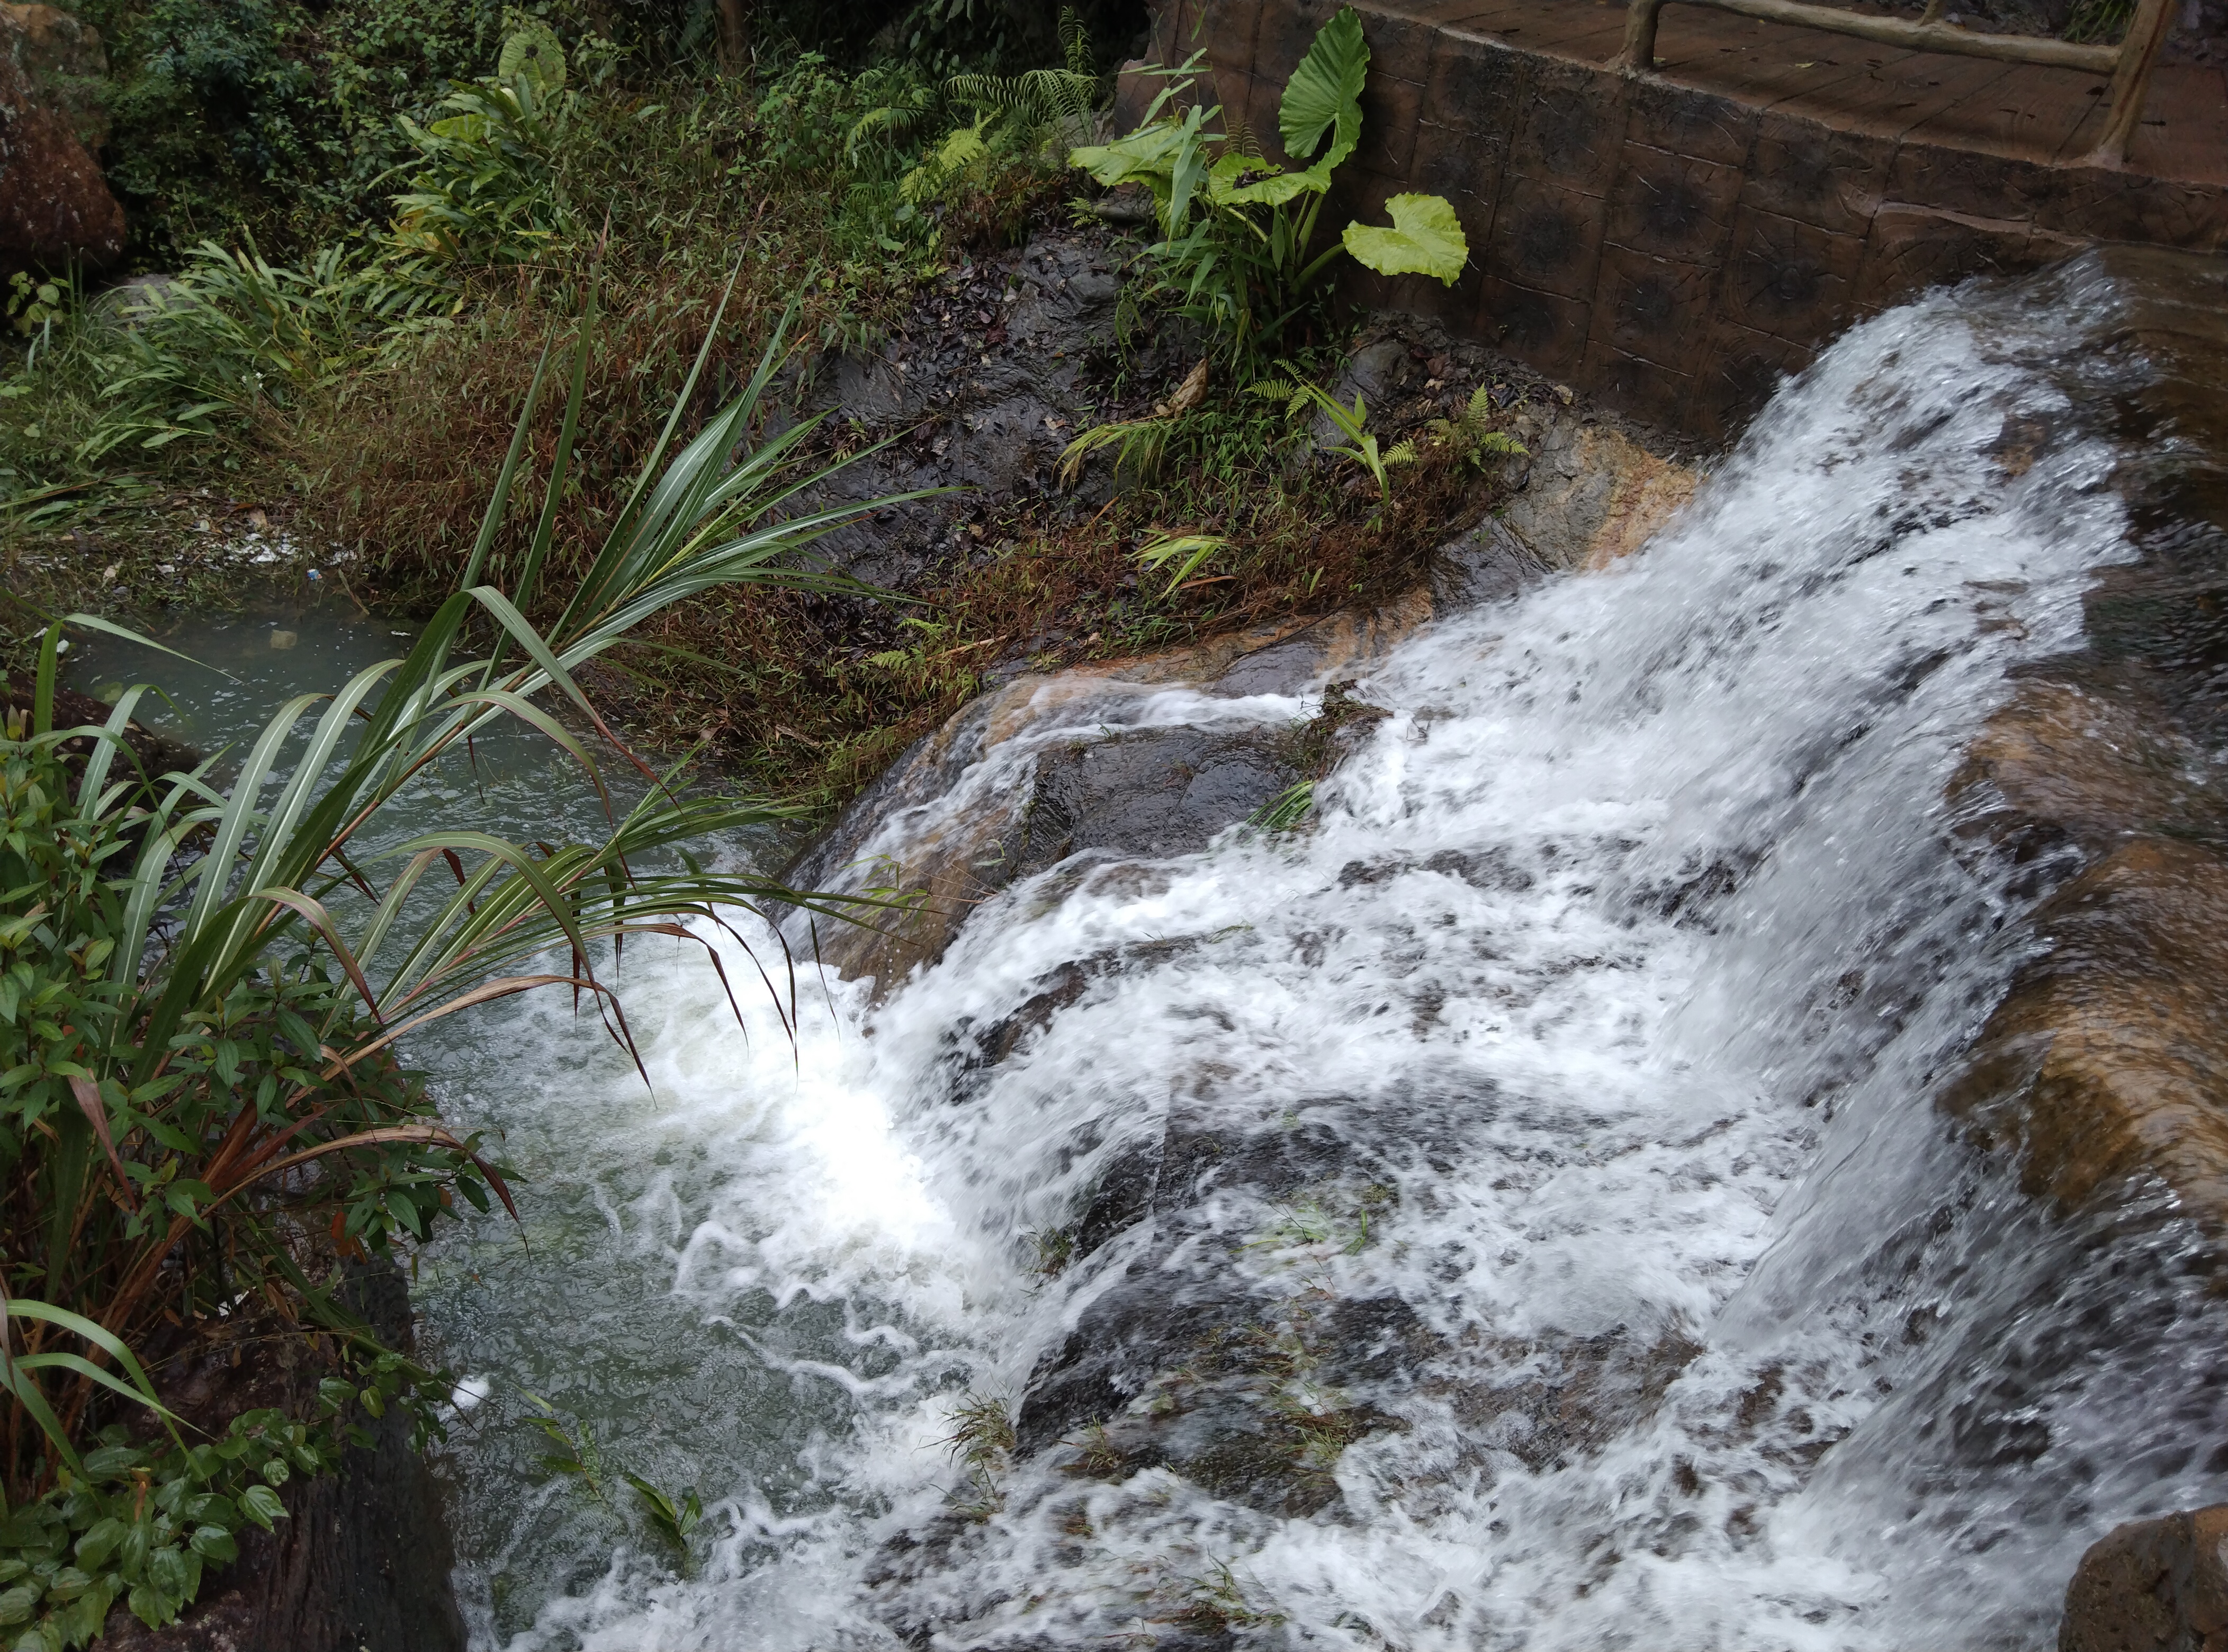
(1673, 251)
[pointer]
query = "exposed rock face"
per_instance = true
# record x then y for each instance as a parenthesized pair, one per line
(66, 62)
(980, 388)
(2153, 1586)
(2107, 1062)
(54, 205)
(1149, 791)
(1594, 494)
(2105, 1066)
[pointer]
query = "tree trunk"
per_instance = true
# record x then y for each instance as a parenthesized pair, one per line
(735, 36)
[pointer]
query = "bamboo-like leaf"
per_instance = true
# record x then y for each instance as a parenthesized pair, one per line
(87, 1093)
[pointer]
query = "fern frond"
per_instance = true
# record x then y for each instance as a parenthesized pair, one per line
(896, 120)
(1061, 94)
(1074, 42)
(1401, 453)
(1000, 94)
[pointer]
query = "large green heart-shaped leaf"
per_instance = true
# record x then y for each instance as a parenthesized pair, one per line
(1147, 156)
(1325, 92)
(1426, 238)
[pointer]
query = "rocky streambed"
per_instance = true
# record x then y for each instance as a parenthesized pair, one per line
(1675, 1105)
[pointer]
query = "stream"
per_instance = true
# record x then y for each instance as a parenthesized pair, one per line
(1511, 1211)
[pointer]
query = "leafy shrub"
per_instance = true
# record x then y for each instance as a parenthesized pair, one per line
(234, 335)
(483, 187)
(1237, 252)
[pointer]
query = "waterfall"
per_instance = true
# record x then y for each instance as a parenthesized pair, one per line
(1511, 1211)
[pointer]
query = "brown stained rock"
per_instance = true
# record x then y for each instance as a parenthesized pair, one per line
(2060, 765)
(1592, 494)
(1595, 495)
(2104, 1064)
(1151, 794)
(2152, 1586)
(54, 205)
(65, 61)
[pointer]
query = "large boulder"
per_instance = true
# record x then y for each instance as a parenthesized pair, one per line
(2152, 1586)
(1078, 764)
(2104, 1065)
(56, 208)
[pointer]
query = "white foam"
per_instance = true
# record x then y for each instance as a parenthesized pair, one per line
(1704, 1130)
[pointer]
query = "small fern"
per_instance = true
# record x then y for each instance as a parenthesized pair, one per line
(1062, 96)
(1471, 434)
(1352, 423)
(961, 153)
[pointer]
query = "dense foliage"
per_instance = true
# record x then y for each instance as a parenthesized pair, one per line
(1238, 254)
(280, 116)
(203, 990)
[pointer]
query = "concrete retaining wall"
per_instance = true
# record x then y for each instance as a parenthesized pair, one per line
(1673, 250)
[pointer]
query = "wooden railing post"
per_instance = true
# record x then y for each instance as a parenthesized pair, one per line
(1639, 55)
(2131, 81)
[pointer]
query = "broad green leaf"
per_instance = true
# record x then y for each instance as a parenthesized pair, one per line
(1324, 94)
(1248, 181)
(261, 1505)
(534, 51)
(1425, 239)
(101, 1541)
(1147, 156)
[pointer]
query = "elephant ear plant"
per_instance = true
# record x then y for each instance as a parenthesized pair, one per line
(1238, 252)
(205, 991)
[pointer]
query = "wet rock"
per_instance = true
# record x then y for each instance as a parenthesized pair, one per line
(1488, 564)
(981, 387)
(2152, 1586)
(1147, 793)
(1571, 1395)
(63, 57)
(1593, 493)
(2105, 1062)
(57, 207)
(2065, 764)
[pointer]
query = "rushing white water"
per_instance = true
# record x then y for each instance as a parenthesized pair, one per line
(1597, 1018)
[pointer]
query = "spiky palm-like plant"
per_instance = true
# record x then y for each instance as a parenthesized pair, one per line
(203, 989)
